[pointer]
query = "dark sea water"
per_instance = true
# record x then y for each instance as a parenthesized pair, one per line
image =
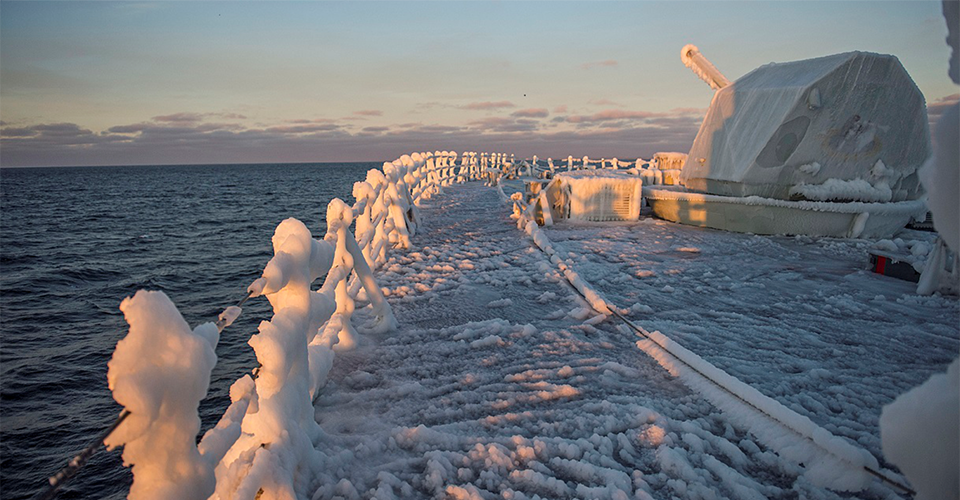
(75, 241)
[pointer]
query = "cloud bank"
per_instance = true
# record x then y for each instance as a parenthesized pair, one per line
(198, 138)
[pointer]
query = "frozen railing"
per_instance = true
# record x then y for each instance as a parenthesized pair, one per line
(263, 446)
(661, 168)
(534, 167)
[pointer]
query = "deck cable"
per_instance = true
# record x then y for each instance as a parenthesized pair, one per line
(73, 466)
(645, 334)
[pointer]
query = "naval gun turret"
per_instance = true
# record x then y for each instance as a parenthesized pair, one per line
(845, 127)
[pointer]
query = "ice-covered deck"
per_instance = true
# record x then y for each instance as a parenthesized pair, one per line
(501, 382)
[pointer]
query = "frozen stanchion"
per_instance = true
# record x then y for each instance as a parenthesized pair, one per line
(160, 372)
(365, 227)
(378, 243)
(395, 203)
(339, 219)
(410, 181)
(294, 362)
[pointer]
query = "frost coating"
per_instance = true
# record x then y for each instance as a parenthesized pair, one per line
(159, 372)
(693, 59)
(841, 190)
(760, 129)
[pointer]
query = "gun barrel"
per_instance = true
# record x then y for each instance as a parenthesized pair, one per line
(693, 59)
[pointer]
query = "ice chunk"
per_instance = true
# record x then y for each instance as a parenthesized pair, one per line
(920, 431)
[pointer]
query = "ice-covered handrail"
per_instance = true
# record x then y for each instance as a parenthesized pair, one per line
(262, 445)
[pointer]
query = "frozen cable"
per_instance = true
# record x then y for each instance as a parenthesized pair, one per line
(614, 310)
(74, 465)
(231, 313)
(647, 336)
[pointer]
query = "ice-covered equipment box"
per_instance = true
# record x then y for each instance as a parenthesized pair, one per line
(595, 195)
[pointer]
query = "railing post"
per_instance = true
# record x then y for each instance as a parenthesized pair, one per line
(339, 218)
(395, 205)
(160, 372)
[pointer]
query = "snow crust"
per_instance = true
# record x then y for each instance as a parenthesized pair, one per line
(844, 190)
(793, 436)
(500, 381)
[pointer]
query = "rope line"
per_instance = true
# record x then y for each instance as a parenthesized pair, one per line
(74, 465)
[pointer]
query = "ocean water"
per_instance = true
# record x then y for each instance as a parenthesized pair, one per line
(75, 241)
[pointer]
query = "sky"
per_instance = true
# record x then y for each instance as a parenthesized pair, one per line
(115, 83)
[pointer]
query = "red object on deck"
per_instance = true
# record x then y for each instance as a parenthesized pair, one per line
(880, 264)
(894, 266)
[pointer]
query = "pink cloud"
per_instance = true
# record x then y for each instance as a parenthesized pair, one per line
(187, 117)
(604, 102)
(560, 109)
(499, 124)
(369, 112)
(179, 117)
(531, 113)
(613, 114)
(609, 63)
(303, 129)
(690, 111)
(488, 105)
(936, 108)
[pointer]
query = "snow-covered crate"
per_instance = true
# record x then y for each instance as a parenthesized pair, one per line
(595, 195)
(669, 161)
